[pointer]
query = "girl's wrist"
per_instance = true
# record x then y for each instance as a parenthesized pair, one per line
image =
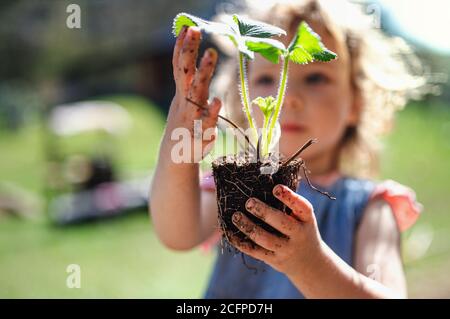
(166, 161)
(309, 267)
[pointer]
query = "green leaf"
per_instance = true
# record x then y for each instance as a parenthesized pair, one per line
(306, 46)
(181, 20)
(185, 19)
(266, 104)
(268, 48)
(325, 56)
(257, 29)
(300, 55)
(239, 43)
(247, 35)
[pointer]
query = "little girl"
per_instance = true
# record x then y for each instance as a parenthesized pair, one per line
(347, 248)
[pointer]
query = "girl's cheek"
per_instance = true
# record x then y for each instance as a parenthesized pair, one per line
(332, 102)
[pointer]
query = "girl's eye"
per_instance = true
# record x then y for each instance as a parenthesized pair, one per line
(265, 80)
(316, 78)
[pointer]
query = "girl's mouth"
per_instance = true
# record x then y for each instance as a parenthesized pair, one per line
(292, 127)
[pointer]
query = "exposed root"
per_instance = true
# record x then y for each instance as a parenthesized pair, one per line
(247, 265)
(240, 189)
(304, 169)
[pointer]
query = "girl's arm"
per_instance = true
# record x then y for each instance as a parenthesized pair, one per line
(308, 262)
(378, 247)
(181, 214)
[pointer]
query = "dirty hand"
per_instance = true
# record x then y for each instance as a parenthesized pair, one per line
(192, 83)
(301, 241)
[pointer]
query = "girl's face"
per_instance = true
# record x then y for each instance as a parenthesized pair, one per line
(319, 103)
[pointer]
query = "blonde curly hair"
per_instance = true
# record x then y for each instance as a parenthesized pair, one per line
(385, 72)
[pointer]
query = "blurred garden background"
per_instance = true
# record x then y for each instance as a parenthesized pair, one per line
(81, 116)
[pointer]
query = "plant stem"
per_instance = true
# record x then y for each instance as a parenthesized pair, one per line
(264, 135)
(244, 95)
(280, 98)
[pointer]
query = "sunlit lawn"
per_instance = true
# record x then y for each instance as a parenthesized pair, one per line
(123, 258)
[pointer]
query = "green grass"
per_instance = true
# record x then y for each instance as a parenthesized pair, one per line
(22, 150)
(418, 155)
(119, 258)
(123, 258)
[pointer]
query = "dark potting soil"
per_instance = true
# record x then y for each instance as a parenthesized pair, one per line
(237, 179)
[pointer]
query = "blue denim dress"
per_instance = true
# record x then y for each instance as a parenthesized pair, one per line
(337, 221)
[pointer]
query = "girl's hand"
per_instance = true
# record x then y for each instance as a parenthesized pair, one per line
(301, 242)
(192, 83)
(303, 257)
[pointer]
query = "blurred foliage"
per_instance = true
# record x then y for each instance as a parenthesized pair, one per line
(18, 105)
(37, 43)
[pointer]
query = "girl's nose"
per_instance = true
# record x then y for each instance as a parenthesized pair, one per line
(293, 99)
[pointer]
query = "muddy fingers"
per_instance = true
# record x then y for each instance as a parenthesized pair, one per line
(176, 53)
(200, 86)
(187, 59)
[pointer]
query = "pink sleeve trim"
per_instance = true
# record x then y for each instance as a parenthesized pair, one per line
(211, 242)
(207, 182)
(402, 201)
